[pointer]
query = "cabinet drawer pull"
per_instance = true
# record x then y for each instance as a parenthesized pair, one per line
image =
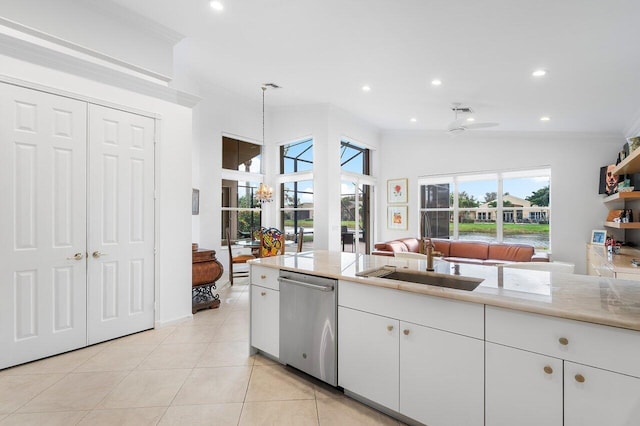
(563, 341)
(264, 293)
(264, 277)
(406, 332)
(390, 328)
(579, 378)
(548, 369)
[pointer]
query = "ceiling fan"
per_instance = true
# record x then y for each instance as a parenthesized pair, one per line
(461, 124)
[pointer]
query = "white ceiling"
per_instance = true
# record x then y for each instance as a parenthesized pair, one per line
(483, 51)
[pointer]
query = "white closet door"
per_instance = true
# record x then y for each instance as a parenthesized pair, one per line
(121, 224)
(42, 224)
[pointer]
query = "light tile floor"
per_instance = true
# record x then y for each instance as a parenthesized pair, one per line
(198, 372)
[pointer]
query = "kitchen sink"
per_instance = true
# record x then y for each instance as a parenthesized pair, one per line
(428, 278)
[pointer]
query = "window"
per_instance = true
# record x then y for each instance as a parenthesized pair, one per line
(353, 158)
(240, 213)
(296, 190)
(296, 157)
(241, 176)
(240, 155)
(355, 197)
(510, 206)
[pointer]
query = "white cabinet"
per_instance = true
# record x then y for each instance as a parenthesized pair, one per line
(265, 320)
(368, 356)
(595, 397)
(265, 310)
(522, 388)
(441, 376)
(432, 375)
(605, 392)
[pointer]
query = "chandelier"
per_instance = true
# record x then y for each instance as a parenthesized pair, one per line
(264, 194)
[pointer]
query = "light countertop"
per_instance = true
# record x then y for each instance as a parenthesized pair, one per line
(598, 300)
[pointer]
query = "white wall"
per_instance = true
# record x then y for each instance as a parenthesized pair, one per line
(173, 285)
(106, 28)
(575, 162)
(220, 112)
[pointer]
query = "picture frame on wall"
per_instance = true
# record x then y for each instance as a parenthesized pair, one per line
(397, 217)
(598, 237)
(195, 201)
(397, 191)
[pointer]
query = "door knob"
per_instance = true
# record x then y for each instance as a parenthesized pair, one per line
(77, 256)
(96, 254)
(563, 341)
(548, 369)
(390, 328)
(406, 332)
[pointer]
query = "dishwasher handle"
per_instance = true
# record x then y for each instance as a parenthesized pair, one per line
(308, 285)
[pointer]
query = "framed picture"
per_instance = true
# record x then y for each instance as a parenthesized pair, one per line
(598, 237)
(397, 217)
(195, 201)
(397, 191)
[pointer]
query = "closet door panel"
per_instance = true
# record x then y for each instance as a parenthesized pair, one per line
(121, 223)
(42, 223)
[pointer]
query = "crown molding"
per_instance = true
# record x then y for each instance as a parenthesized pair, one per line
(106, 72)
(121, 13)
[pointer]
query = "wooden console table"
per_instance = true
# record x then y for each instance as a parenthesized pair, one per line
(205, 271)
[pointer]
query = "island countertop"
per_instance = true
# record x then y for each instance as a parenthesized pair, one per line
(598, 300)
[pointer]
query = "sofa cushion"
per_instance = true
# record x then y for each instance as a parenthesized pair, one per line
(471, 249)
(395, 246)
(413, 245)
(442, 246)
(464, 260)
(511, 252)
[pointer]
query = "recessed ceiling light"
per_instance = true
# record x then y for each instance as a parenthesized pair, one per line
(471, 119)
(545, 118)
(436, 82)
(413, 119)
(366, 88)
(216, 5)
(539, 73)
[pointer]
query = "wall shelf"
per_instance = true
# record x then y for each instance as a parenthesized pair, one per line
(629, 165)
(620, 196)
(618, 225)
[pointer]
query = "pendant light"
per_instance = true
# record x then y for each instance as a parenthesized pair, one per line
(264, 194)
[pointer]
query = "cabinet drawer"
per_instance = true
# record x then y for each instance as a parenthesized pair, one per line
(444, 314)
(611, 348)
(265, 277)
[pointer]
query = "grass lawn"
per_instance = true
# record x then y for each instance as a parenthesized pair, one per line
(508, 228)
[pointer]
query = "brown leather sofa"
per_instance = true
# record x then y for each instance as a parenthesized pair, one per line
(478, 252)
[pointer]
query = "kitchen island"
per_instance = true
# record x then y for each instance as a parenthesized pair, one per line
(524, 347)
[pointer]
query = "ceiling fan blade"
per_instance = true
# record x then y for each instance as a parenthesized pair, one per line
(480, 125)
(456, 124)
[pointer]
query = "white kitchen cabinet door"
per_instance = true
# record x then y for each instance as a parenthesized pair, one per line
(368, 356)
(595, 397)
(42, 224)
(441, 376)
(522, 388)
(265, 320)
(121, 224)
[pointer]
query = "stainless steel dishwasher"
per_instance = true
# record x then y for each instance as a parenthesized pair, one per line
(308, 329)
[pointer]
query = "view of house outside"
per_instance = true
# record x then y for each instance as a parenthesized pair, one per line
(525, 211)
